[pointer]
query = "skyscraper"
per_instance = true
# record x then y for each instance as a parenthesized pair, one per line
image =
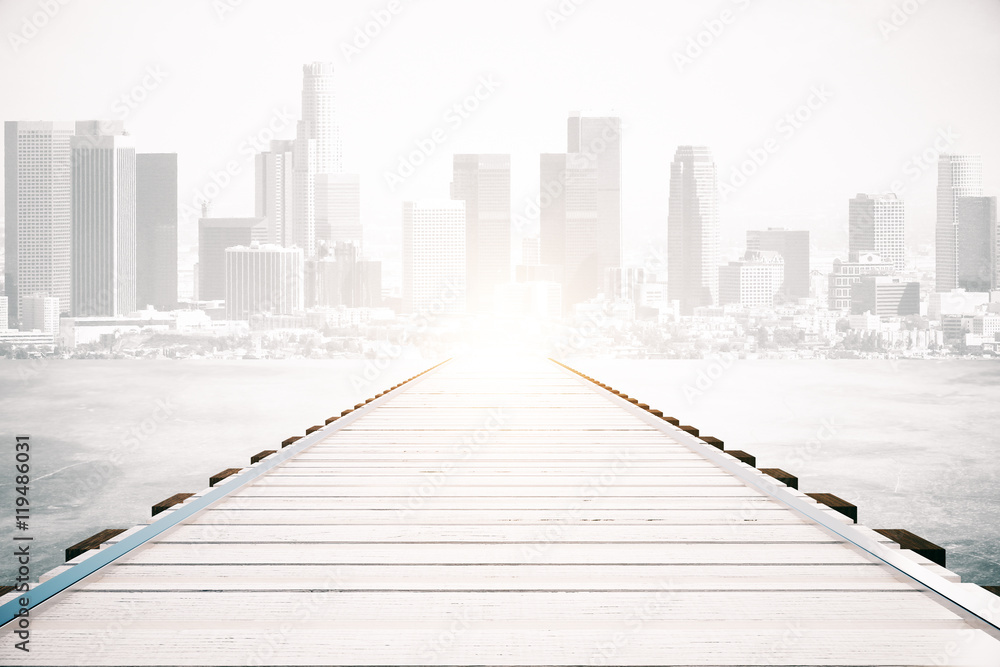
(531, 254)
(303, 233)
(319, 115)
(338, 209)
(958, 176)
(274, 180)
(602, 138)
(568, 223)
(434, 258)
(103, 221)
(156, 230)
(877, 224)
(693, 229)
(483, 183)
(37, 212)
(977, 243)
(793, 246)
(263, 279)
(215, 235)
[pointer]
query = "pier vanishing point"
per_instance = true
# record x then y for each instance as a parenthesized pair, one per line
(503, 514)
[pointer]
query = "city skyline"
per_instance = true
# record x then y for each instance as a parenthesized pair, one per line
(268, 105)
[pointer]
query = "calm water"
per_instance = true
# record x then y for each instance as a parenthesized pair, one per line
(913, 444)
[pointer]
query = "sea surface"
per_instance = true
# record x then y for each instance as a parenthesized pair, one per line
(913, 443)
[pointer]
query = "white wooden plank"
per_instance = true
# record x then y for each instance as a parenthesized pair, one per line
(236, 514)
(697, 577)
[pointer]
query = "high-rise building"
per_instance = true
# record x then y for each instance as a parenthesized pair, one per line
(319, 116)
(263, 279)
(885, 296)
(103, 222)
(977, 243)
(531, 254)
(753, 281)
(37, 184)
(602, 138)
(338, 209)
(274, 180)
(847, 274)
(483, 183)
(958, 176)
(41, 313)
(877, 225)
(215, 235)
(693, 229)
(793, 246)
(303, 233)
(568, 222)
(156, 230)
(4, 300)
(434, 257)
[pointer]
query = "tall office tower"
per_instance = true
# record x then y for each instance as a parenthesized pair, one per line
(531, 253)
(214, 236)
(753, 281)
(103, 220)
(569, 223)
(4, 300)
(319, 114)
(338, 208)
(793, 246)
(958, 176)
(37, 212)
(41, 313)
(602, 138)
(274, 180)
(977, 243)
(434, 258)
(304, 191)
(483, 183)
(877, 224)
(693, 229)
(263, 279)
(156, 230)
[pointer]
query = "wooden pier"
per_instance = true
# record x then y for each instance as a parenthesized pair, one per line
(506, 513)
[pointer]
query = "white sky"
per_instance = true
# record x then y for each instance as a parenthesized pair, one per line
(226, 76)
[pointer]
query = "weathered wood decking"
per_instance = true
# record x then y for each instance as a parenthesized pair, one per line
(517, 516)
